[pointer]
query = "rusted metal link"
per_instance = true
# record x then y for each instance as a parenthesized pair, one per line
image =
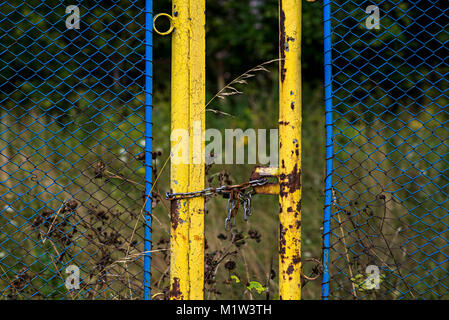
(232, 208)
(247, 209)
(317, 270)
(235, 194)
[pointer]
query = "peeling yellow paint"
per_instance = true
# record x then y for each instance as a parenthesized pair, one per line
(179, 172)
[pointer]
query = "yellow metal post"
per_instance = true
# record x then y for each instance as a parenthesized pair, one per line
(197, 146)
(187, 166)
(179, 171)
(290, 150)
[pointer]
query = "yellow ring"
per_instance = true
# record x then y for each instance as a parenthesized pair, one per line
(170, 18)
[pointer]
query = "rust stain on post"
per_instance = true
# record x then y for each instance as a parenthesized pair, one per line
(174, 214)
(175, 292)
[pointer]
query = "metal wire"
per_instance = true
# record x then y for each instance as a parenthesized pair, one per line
(75, 110)
(387, 120)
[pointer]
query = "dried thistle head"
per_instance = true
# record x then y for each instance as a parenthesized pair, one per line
(99, 169)
(71, 205)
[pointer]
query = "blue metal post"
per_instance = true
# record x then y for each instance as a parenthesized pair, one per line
(329, 146)
(148, 142)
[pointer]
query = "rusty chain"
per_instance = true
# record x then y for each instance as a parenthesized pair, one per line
(236, 195)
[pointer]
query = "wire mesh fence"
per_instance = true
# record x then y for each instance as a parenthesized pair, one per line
(387, 208)
(75, 129)
(75, 149)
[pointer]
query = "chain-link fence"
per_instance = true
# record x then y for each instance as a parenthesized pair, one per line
(75, 129)
(386, 227)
